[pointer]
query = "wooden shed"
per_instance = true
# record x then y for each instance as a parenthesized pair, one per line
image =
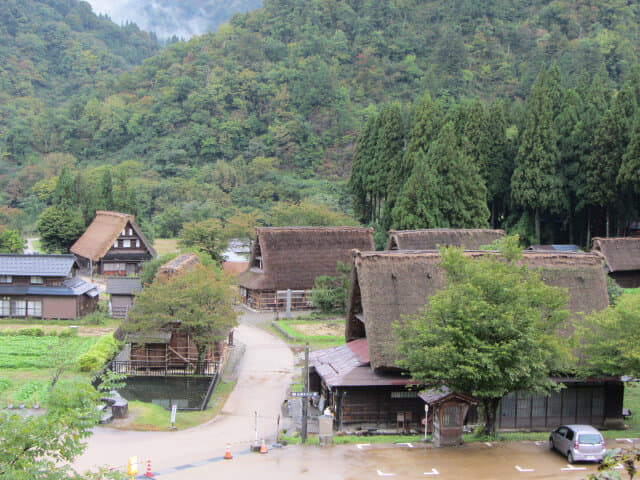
(447, 413)
(434, 238)
(290, 258)
(622, 259)
(121, 291)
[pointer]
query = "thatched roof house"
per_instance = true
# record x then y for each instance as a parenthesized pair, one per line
(622, 259)
(432, 239)
(387, 285)
(113, 244)
(290, 258)
(182, 263)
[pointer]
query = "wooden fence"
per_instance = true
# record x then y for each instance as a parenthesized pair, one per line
(163, 369)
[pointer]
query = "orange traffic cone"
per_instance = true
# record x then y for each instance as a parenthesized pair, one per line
(263, 447)
(227, 452)
(148, 472)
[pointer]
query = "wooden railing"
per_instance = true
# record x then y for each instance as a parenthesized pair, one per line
(161, 369)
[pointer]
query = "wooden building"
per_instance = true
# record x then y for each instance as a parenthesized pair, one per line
(113, 245)
(388, 285)
(121, 291)
(182, 263)
(447, 413)
(290, 258)
(44, 286)
(434, 238)
(622, 259)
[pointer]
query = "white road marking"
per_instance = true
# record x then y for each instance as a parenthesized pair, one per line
(488, 444)
(432, 472)
(628, 440)
(540, 443)
(362, 445)
(385, 474)
(520, 469)
(572, 468)
(410, 445)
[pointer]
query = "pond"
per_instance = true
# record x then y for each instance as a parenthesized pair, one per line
(185, 392)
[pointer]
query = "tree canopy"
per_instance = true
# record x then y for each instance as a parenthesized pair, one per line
(492, 330)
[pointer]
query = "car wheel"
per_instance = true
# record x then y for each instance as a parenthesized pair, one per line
(570, 458)
(551, 445)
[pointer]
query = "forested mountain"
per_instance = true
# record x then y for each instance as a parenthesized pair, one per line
(171, 18)
(268, 109)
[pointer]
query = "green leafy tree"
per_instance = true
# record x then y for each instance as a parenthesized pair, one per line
(611, 338)
(10, 241)
(40, 447)
(59, 227)
(492, 330)
(206, 235)
(307, 214)
(331, 293)
(199, 302)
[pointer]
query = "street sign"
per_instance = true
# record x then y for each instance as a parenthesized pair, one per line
(303, 394)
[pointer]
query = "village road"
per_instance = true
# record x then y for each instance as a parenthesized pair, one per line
(265, 373)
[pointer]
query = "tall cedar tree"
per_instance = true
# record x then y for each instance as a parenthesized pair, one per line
(610, 143)
(491, 331)
(198, 302)
(363, 153)
(388, 160)
(426, 121)
(453, 194)
(536, 183)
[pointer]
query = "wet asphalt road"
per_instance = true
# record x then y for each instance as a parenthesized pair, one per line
(518, 460)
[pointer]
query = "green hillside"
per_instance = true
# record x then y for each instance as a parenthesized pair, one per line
(268, 109)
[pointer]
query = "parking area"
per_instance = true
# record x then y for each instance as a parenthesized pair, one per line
(515, 460)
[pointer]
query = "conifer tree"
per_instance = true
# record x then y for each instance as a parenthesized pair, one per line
(536, 183)
(359, 179)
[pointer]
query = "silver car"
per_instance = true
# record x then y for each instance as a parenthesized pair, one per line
(578, 443)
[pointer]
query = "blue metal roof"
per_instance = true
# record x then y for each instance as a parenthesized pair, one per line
(36, 265)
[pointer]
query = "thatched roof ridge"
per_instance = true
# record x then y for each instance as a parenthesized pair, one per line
(621, 254)
(385, 286)
(433, 238)
(292, 257)
(100, 235)
(183, 262)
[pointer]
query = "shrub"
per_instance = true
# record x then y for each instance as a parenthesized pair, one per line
(99, 354)
(68, 332)
(96, 318)
(31, 332)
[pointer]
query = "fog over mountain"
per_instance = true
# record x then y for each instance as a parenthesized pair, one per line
(166, 18)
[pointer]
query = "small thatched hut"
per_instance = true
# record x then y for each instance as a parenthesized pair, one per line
(290, 258)
(434, 238)
(388, 285)
(622, 259)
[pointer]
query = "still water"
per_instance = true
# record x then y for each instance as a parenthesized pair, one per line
(185, 392)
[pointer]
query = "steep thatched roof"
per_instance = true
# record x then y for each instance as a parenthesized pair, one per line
(292, 257)
(432, 239)
(387, 285)
(621, 254)
(105, 228)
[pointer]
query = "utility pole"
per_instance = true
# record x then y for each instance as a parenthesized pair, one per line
(305, 399)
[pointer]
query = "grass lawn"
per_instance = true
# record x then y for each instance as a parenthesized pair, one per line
(150, 417)
(165, 245)
(320, 333)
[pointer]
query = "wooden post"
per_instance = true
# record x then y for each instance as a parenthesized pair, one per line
(305, 399)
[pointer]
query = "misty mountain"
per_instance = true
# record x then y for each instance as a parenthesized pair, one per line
(169, 18)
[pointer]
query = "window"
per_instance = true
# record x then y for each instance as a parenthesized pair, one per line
(37, 280)
(34, 308)
(126, 244)
(137, 243)
(124, 232)
(115, 244)
(130, 231)
(451, 416)
(6, 279)
(18, 308)
(5, 307)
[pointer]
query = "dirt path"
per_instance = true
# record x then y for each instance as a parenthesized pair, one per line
(265, 373)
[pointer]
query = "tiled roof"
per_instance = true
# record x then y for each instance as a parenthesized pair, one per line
(36, 265)
(72, 287)
(123, 285)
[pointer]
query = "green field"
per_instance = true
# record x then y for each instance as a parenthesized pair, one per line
(301, 331)
(28, 363)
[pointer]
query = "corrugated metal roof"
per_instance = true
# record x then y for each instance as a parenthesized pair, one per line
(123, 285)
(36, 265)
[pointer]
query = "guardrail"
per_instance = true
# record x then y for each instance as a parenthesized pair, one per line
(163, 369)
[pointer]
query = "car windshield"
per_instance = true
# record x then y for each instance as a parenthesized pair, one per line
(590, 438)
